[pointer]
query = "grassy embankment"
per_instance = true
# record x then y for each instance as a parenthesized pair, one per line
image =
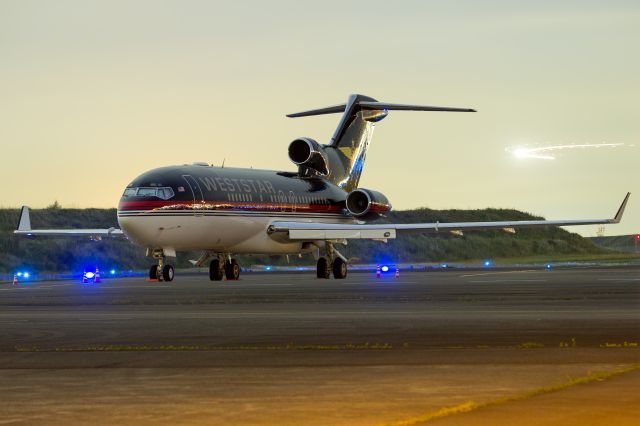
(537, 245)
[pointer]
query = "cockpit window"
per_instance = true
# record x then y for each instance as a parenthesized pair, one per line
(147, 192)
(164, 193)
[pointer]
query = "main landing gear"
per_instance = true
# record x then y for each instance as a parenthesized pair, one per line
(161, 271)
(331, 263)
(224, 266)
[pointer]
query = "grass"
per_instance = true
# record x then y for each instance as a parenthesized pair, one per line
(530, 345)
(471, 405)
(620, 345)
(287, 347)
(586, 257)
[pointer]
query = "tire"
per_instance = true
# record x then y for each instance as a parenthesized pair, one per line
(153, 272)
(232, 270)
(322, 269)
(167, 273)
(215, 273)
(339, 269)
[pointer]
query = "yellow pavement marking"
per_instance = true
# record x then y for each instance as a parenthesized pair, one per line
(471, 405)
(500, 273)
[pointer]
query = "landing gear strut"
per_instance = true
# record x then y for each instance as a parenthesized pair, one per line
(161, 271)
(332, 262)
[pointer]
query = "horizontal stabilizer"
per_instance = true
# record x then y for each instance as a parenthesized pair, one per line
(375, 105)
(406, 107)
(328, 110)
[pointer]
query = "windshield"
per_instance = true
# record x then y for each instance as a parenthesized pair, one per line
(164, 193)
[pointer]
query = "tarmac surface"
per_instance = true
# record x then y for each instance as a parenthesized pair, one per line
(291, 349)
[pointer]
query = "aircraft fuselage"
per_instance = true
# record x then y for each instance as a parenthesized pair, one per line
(199, 207)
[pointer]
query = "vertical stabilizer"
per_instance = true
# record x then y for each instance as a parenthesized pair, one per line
(348, 147)
(345, 153)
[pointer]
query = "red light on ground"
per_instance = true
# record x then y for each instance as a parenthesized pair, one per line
(638, 237)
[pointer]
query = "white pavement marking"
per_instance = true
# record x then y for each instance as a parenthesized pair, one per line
(618, 279)
(256, 285)
(506, 281)
(126, 287)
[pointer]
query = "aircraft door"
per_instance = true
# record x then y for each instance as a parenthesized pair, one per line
(196, 192)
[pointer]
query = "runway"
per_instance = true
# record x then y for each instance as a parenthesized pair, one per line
(286, 348)
(419, 310)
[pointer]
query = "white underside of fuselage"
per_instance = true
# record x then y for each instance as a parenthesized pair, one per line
(221, 232)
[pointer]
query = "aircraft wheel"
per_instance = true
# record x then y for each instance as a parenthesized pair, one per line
(215, 272)
(339, 269)
(167, 273)
(232, 270)
(153, 272)
(322, 269)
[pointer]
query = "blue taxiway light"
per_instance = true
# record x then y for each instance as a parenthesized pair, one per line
(112, 272)
(89, 274)
(548, 266)
(25, 275)
(19, 274)
(268, 268)
(385, 268)
(444, 265)
(487, 263)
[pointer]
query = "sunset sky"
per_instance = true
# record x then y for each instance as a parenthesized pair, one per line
(95, 93)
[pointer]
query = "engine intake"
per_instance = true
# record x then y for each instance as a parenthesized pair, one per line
(367, 204)
(308, 154)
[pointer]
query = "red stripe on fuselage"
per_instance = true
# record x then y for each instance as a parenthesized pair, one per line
(227, 205)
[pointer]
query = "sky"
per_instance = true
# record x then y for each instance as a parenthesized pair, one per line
(94, 93)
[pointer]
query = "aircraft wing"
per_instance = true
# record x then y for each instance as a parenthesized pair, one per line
(329, 231)
(24, 228)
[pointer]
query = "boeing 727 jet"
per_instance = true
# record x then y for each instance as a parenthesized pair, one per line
(227, 211)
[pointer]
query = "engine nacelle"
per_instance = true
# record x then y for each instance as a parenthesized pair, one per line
(367, 204)
(308, 154)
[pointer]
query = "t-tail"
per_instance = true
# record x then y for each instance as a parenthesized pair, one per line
(341, 161)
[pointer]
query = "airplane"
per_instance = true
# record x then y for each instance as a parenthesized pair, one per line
(224, 211)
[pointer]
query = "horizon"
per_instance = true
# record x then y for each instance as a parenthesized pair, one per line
(96, 94)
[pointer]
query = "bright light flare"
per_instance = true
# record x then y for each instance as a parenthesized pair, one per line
(548, 152)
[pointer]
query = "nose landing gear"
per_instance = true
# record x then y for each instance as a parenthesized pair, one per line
(161, 271)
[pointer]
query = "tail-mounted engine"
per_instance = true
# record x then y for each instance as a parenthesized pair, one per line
(367, 204)
(309, 156)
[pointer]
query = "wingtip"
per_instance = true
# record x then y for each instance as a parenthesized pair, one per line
(618, 216)
(24, 224)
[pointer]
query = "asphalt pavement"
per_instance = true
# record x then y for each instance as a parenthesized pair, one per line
(286, 348)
